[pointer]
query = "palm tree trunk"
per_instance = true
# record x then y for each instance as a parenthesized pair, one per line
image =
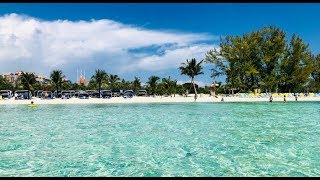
(195, 91)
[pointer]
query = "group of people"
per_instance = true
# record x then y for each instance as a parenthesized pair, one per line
(284, 98)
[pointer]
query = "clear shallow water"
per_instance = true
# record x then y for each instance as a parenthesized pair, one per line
(182, 139)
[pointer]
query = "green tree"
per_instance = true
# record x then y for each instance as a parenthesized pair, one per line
(27, 80)
(297, 65)
(56, 77)
(113, 81)
(136, 84)
(153, 82)
(38, 86)
(92, 84)
(314, 82)
(82, 86)
(66, 85)
(160, 89)
(100, 77)
(5, 84)
(169, 86)
(174, 85)
(192, 69)
(272, 50)
(124, 85)
(180, 89)
(262, 59)
(75, 86)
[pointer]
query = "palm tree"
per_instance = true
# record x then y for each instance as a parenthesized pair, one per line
(152, 81)
(113, 80)
(136, 84)
(75, 86)
(168, 85)
(124, 84)
(56, 77)
(174, 84)
(27, 80)
(5, 84)
(67, 85)
(99, 77)
(192, 68)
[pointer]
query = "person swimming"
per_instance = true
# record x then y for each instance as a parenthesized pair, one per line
(32, 104)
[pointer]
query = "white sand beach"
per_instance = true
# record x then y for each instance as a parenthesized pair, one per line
(157, 99)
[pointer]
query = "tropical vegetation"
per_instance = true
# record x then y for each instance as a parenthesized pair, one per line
(192, 69)
(265, 59)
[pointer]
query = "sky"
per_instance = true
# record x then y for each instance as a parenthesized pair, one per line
(137, 39)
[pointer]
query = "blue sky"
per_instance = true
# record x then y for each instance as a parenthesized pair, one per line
(137, 39)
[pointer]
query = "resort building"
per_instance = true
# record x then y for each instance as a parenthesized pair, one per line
(13, 77)
(81, 79)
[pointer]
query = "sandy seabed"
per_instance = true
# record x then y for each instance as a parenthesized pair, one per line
(157, 99)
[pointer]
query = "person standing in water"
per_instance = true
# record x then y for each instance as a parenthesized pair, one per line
(271, 98)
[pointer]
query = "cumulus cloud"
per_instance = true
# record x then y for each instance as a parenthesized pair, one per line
(32, 44)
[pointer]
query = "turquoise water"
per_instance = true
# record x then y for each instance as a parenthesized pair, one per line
(181, 139)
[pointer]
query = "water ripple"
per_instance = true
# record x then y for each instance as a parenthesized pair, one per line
(178, 139)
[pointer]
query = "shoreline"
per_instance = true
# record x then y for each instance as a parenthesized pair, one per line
(158, 99)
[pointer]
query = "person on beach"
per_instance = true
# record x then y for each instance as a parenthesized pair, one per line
(271, 98)
(296, 96)
(31, 102)
(284, 98)
(222, 100)
(186, 94)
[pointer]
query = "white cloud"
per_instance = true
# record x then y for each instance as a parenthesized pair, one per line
(171, 58)
(31, 44)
